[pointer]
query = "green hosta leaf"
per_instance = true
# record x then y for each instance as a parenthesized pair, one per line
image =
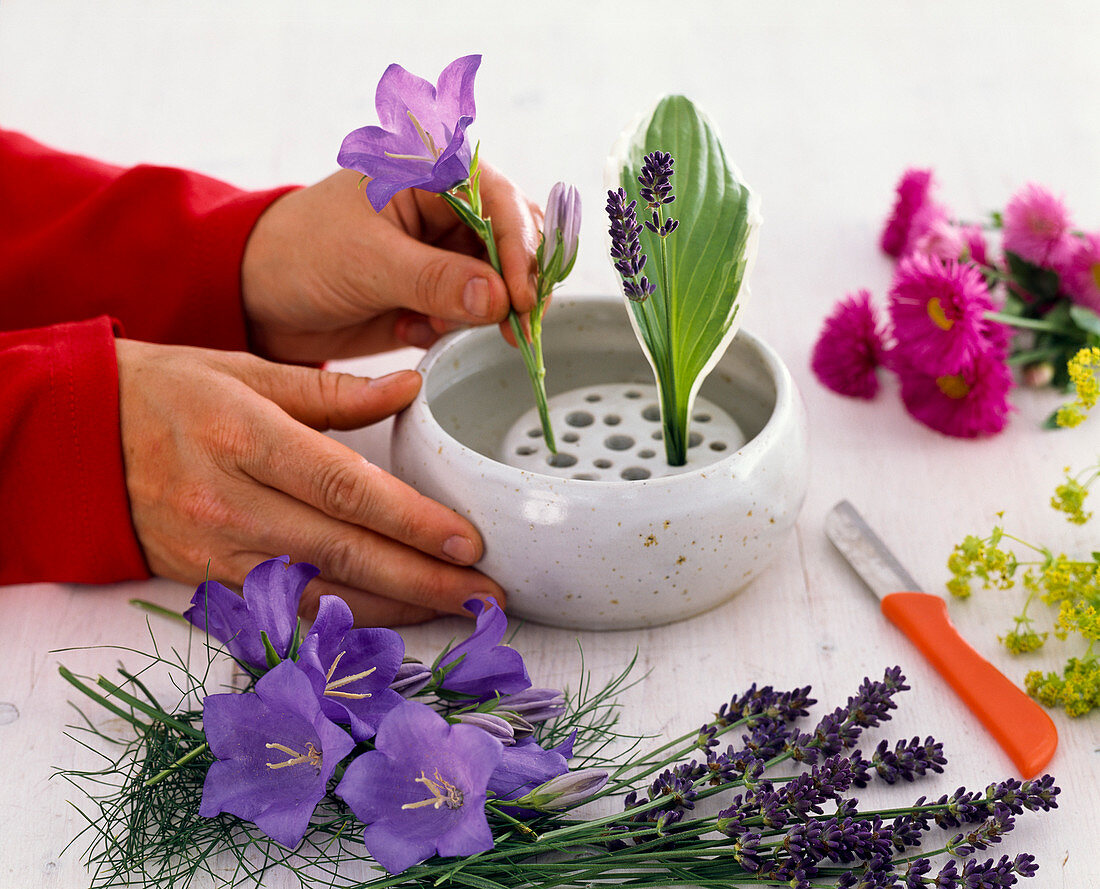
(701, 268)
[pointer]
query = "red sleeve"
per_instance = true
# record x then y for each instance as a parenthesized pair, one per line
(82, 243)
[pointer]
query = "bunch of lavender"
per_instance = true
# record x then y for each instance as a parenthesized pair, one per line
(341, 756)
(962, 316)
(422, 144)
(1070, 585)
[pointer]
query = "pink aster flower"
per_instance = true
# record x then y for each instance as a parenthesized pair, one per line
(1081, 274)
(938, 309)
(1037, 227)
(971, 403)
(850, 348)
(913, 214)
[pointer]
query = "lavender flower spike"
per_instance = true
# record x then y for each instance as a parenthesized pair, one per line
(276, 753)
(561, 224)
(422, 140)
(422, 790)
(272, 591)
(626, 249)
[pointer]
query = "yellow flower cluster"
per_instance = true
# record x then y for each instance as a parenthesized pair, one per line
(1083, 369)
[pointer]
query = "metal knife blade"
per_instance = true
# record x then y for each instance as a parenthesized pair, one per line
(865, 552)
(1020, 726)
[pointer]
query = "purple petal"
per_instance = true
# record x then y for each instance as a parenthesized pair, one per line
(400, 91)
(455, 91)
(225, 616)
(272, 591)
(486, 667)
(525, 766)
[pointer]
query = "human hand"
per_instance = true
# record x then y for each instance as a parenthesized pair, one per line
(225, 467)
(324, 276)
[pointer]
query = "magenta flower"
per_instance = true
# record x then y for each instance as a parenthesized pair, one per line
(938, 312)
(276, 752)
(971, 403)
(850, 348)
(1037, 227)
(422, 790)
(351, 670)
(422, 140)
(272, 591)
(1081, 274)
(483, 668)
(913, 214)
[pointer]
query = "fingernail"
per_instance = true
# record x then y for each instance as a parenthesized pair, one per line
(475, 297)
(381, 382)
(460, 549)
(419, 333)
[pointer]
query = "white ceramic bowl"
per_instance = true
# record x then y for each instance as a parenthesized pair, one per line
(606, 554)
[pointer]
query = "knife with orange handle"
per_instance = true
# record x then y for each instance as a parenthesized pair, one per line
(1020, 726)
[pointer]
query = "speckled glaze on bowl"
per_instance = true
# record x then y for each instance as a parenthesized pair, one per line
(605, 554)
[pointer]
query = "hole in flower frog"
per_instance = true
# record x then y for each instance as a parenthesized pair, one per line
(717, 445)
(619, 442)
(571, 437)
(612, 420)
(525, 450)
(694, 440)
(646, 453)
(580, 419)
(593, 397)
(586, 477)
(701, 418)
(632, 393)
(652, 413)
(561, 460)
(534, 433)
(602, 464)
(635, 473)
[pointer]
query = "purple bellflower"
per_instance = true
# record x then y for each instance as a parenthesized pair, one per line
(422, 140)
(422, 790)
(272, 591)
(483, 667)
(412, 676)
(351, 670)
(276, 752)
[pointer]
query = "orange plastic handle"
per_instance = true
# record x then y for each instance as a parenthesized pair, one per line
(1021, 726)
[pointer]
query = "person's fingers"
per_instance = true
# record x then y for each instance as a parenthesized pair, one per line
(438, 282)
(517, 235)
(362, 559)
(326, 400)
(340, 483)
(368, 609)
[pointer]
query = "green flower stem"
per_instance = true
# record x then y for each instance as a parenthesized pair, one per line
(72, 679)
(159, 610)
(182, 761)
(1030, 323)
(469, 211)
(139, 705)
(675, 413)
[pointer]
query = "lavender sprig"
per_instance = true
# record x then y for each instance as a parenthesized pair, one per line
(626, 249)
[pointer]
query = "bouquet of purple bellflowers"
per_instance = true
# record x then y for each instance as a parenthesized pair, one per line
(422, 143)
(342, 762)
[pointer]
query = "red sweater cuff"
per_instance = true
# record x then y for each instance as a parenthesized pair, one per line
(63, 488)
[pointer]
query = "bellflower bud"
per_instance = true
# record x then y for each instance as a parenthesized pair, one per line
(564, 791)
(534, 704)
(498, 728)
(411, 677)
(563, 216)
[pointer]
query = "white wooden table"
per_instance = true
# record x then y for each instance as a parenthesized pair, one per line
(823, 106)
